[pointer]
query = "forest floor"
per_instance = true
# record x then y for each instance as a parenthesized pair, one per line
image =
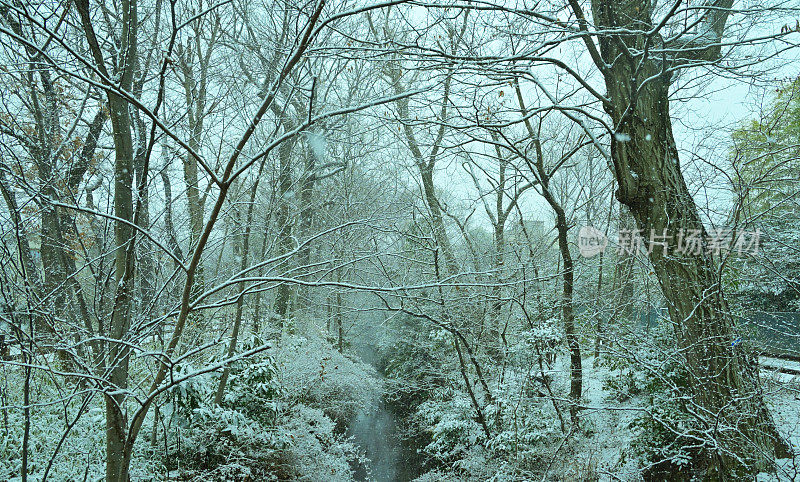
(603, 450)
(782, 391)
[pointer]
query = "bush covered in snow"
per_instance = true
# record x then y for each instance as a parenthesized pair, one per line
(313, 373)
(281, 418)
(665, 436)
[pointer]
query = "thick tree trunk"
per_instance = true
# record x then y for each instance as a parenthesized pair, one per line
(119, 353)
(723, 376)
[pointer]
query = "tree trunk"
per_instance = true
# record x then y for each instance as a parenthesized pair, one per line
(496, 306)
(435, 209)
(339, 322)
(146, 268)
(426, 166)
(567, 311)
(306, 206)
(284, 225)
(237, 322)
(304, 226)
(262, 253)
(48, 133)
(562, 227)
(118, 354)
(31, 270)
(195, 92)
(722, 375)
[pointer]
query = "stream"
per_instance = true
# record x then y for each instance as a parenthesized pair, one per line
(376, 432)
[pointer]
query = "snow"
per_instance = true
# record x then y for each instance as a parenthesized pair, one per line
(318, 144)
(783, 398)
(387, 356)
(610, 420)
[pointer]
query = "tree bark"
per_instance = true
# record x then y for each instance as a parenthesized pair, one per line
(244, 251)
(118, 354)
(568, 282)
(722, 375)
(284, 225)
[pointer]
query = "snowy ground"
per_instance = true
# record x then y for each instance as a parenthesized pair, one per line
(783, 395)
(605, 451)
